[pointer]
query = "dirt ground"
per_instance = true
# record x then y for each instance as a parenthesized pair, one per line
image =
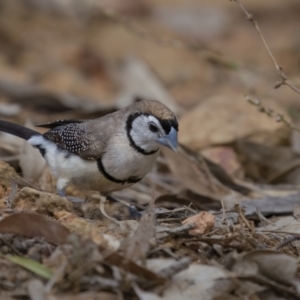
(220, 218)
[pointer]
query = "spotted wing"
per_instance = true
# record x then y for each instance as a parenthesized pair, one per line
(76, 139)
(58, 123)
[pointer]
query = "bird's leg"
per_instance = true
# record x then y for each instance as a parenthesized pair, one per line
(134, 213)
(61, 193)
(61, 187)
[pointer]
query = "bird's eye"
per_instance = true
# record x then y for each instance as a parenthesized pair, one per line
(153, 128)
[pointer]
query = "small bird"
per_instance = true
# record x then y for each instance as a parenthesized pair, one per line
(106, 154)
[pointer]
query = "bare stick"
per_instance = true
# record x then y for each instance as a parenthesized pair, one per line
(178, 230)
(271, 113)
(243, 218)
(287, 241)
(284, 79)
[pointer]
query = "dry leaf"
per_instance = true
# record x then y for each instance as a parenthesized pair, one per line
(130, 266)
(204, 222)
(139, 81)
(36, 289)
(207, 281)
(195, 175)
(222, 119)
(34, 225)
(31, 161)
(286, 224)
(226, 158)
(273, 265)
(268, 163)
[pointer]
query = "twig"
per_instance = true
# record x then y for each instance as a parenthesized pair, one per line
(4, 241)
(262, 218)
(179, 229)
(277, 231)
(270, 112)
(223, 212)
(56, 276)
(12, 194)
(288, 241)
(284, 79)
(241, 214)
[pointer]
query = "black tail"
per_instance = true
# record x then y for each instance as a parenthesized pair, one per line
(17, 130)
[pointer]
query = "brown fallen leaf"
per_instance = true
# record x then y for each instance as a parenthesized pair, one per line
(34, 225)
(137, 79)
(198, 281)
(130, 266)
(222, 119)
(284, 223)
(194, 174)
(272, 265)
(268, 163)
(204, 222)
(226, 158)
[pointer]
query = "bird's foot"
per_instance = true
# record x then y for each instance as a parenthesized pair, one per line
(75, 200)
(134, 214)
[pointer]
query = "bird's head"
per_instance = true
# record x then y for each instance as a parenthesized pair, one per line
(151, 124)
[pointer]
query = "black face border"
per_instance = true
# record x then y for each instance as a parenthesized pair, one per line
(165, 124)
(129, 122)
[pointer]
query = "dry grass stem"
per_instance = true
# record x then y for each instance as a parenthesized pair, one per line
(287, 241)
(284, 79)
(179, 229)
(243, 218)
(271, 113)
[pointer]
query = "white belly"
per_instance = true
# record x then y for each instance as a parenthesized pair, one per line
(85, 174)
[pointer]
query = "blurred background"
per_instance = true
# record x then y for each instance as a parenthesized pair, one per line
(63, 59)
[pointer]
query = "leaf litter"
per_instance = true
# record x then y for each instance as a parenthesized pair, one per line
(224, 221)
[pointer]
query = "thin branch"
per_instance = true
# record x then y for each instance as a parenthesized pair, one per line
(284, 79)
(287, 241)
(271, 113)
(178, 230)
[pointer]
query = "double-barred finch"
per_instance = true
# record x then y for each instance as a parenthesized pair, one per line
(105, 154)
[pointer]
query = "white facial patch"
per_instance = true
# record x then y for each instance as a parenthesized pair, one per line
(141, 134)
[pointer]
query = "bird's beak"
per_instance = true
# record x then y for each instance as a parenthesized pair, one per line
(169, 140)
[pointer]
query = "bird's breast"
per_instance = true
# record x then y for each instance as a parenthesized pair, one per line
(128, 165)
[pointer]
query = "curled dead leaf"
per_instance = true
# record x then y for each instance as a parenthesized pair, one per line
(204, 222)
